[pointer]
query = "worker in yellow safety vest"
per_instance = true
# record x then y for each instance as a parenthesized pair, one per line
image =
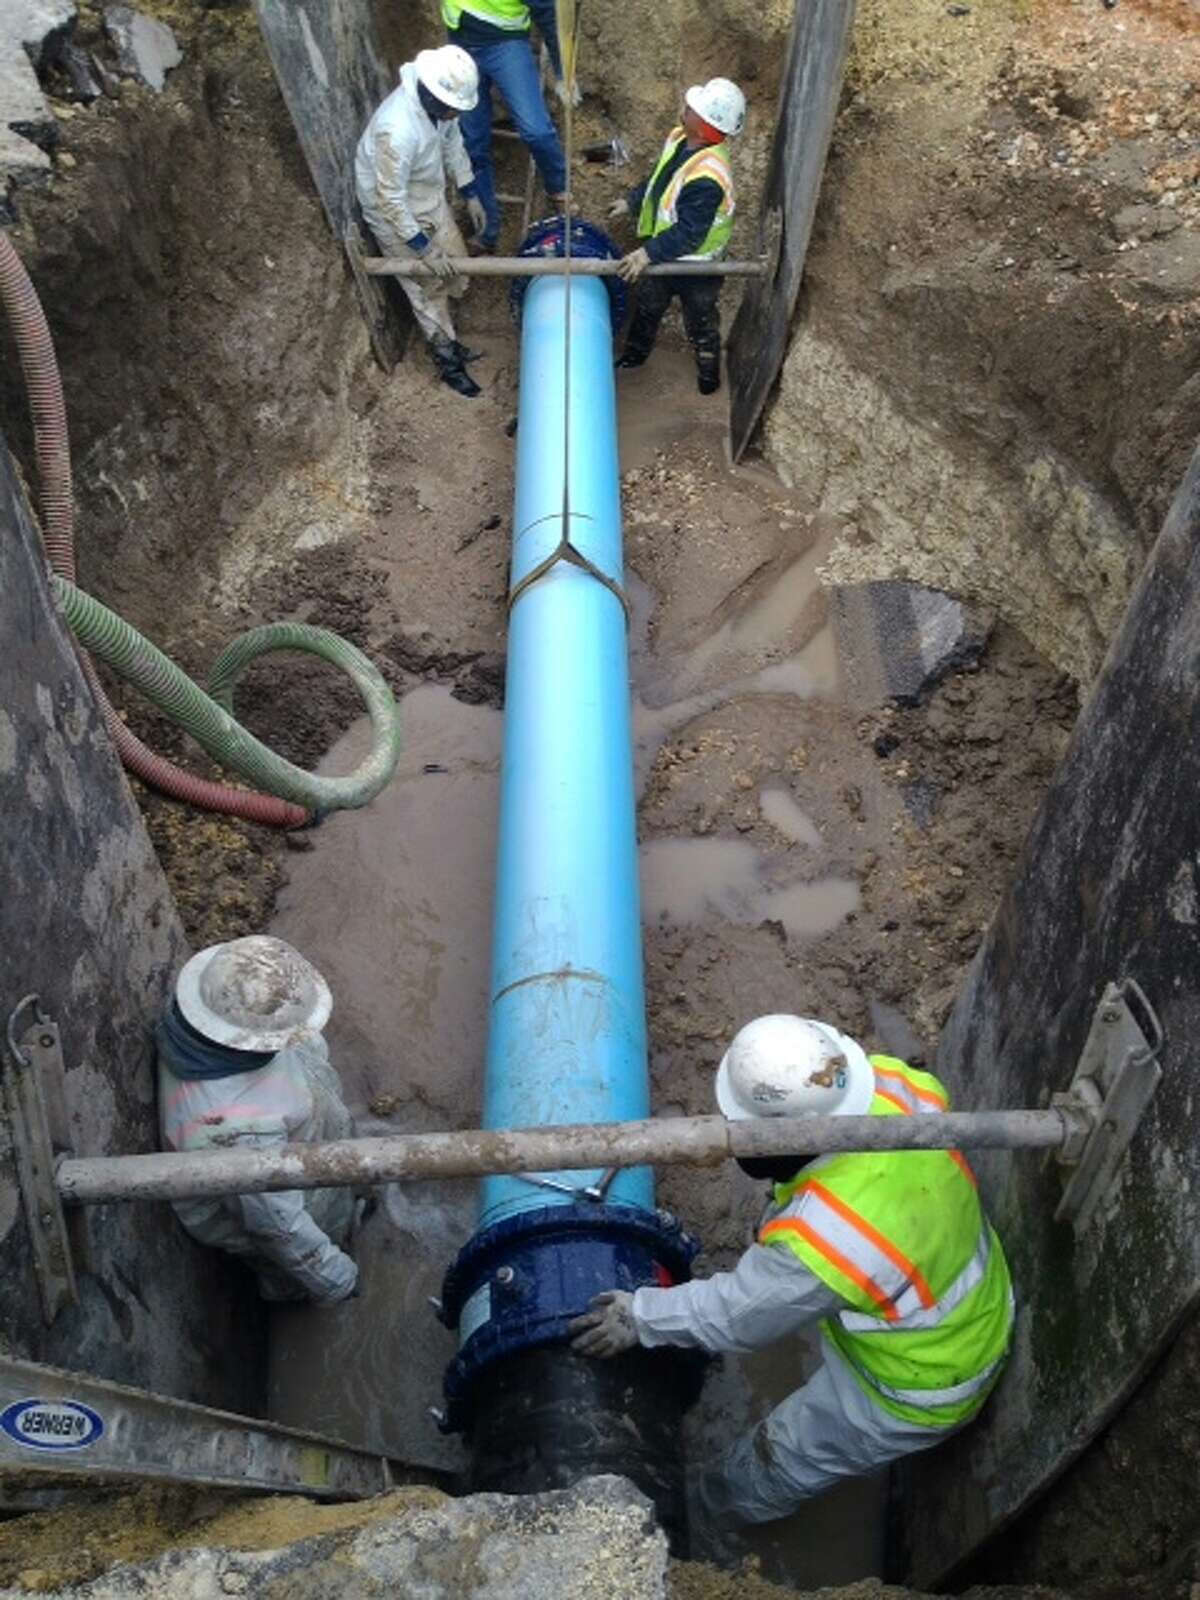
(496, 34)
(890, 1253)
(684, 212)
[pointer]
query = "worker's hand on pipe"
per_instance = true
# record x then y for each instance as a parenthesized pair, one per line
(608, 1329)
(618, 209)
(434, 256)
(632, 266)
(574, 94)
(477, 216)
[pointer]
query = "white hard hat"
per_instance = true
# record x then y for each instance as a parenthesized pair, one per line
(253, 994)
(784, 1066)
(720, 102)
(450, 76)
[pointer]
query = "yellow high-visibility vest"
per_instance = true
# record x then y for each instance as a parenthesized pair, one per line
(510, 14)
(710, 161)
(902, 1238)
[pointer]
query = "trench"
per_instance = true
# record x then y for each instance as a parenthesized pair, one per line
(776, 841)
(411, 969)
(804, 846)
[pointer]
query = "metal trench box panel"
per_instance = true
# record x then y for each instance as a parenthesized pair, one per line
(87, 923)
(331, 70)
(1108, 886)
(808, 102)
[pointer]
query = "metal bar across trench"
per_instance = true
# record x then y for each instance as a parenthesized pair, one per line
(666, 1141)
(554, 267)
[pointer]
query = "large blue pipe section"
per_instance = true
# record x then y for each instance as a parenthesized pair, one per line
(567, 1041)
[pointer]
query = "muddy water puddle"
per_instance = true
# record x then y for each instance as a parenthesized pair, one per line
(394, 902)
(689, 881)
(778, 639)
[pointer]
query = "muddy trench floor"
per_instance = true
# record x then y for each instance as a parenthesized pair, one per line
(800, 851)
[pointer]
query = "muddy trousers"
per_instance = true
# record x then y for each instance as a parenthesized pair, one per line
(698, 302)
(827, 1431)
(429, 297)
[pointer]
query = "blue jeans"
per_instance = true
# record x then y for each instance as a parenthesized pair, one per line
(512, 67)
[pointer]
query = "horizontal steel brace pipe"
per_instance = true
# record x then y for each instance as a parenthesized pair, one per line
(555, 267)
(665, 1141)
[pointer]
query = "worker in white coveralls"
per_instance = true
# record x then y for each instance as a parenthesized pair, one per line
(242, 1065)
(409, 148)
(889, 1253)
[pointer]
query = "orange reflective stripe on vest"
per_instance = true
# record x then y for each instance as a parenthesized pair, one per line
(906, 1095)
(801, 1229)
(857, 1249)
(910, 1098)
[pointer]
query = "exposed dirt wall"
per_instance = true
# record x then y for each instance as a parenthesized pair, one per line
(993, 374)
(205, 329)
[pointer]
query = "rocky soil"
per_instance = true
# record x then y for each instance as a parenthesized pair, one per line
(590, 1543)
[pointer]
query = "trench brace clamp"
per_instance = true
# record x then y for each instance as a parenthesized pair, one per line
(32, 1075)
(1115, 1079)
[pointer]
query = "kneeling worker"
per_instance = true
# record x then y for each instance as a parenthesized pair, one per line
(242, 1065)
(400, 168)
(890, 1253)
(684, 212)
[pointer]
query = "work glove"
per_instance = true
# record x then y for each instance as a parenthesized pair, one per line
(632, 266)
(477, 216)
(608, 1329)
(618, 209)
(434, 256)
(574, 94)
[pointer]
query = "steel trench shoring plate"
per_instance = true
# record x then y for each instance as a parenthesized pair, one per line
(1117, 1075)
(33, 1076)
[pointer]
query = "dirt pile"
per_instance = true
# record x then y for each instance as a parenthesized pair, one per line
(993, 377)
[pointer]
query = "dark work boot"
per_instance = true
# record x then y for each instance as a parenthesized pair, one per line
(638, 343)
(708, 368)
(450, 367)
(464, 355)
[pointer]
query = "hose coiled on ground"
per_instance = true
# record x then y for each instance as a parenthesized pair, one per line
(207, 719)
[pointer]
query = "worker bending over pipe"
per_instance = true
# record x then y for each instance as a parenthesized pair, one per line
(241, 1062)
(407, 150)
(684, 212)
(890, 1254)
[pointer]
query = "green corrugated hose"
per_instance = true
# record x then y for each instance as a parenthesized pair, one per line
(208, 718)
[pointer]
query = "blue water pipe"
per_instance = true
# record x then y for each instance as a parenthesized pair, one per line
(567, 1035)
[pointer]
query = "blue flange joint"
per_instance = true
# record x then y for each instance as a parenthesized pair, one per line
(588, 242)
(516, 1285)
